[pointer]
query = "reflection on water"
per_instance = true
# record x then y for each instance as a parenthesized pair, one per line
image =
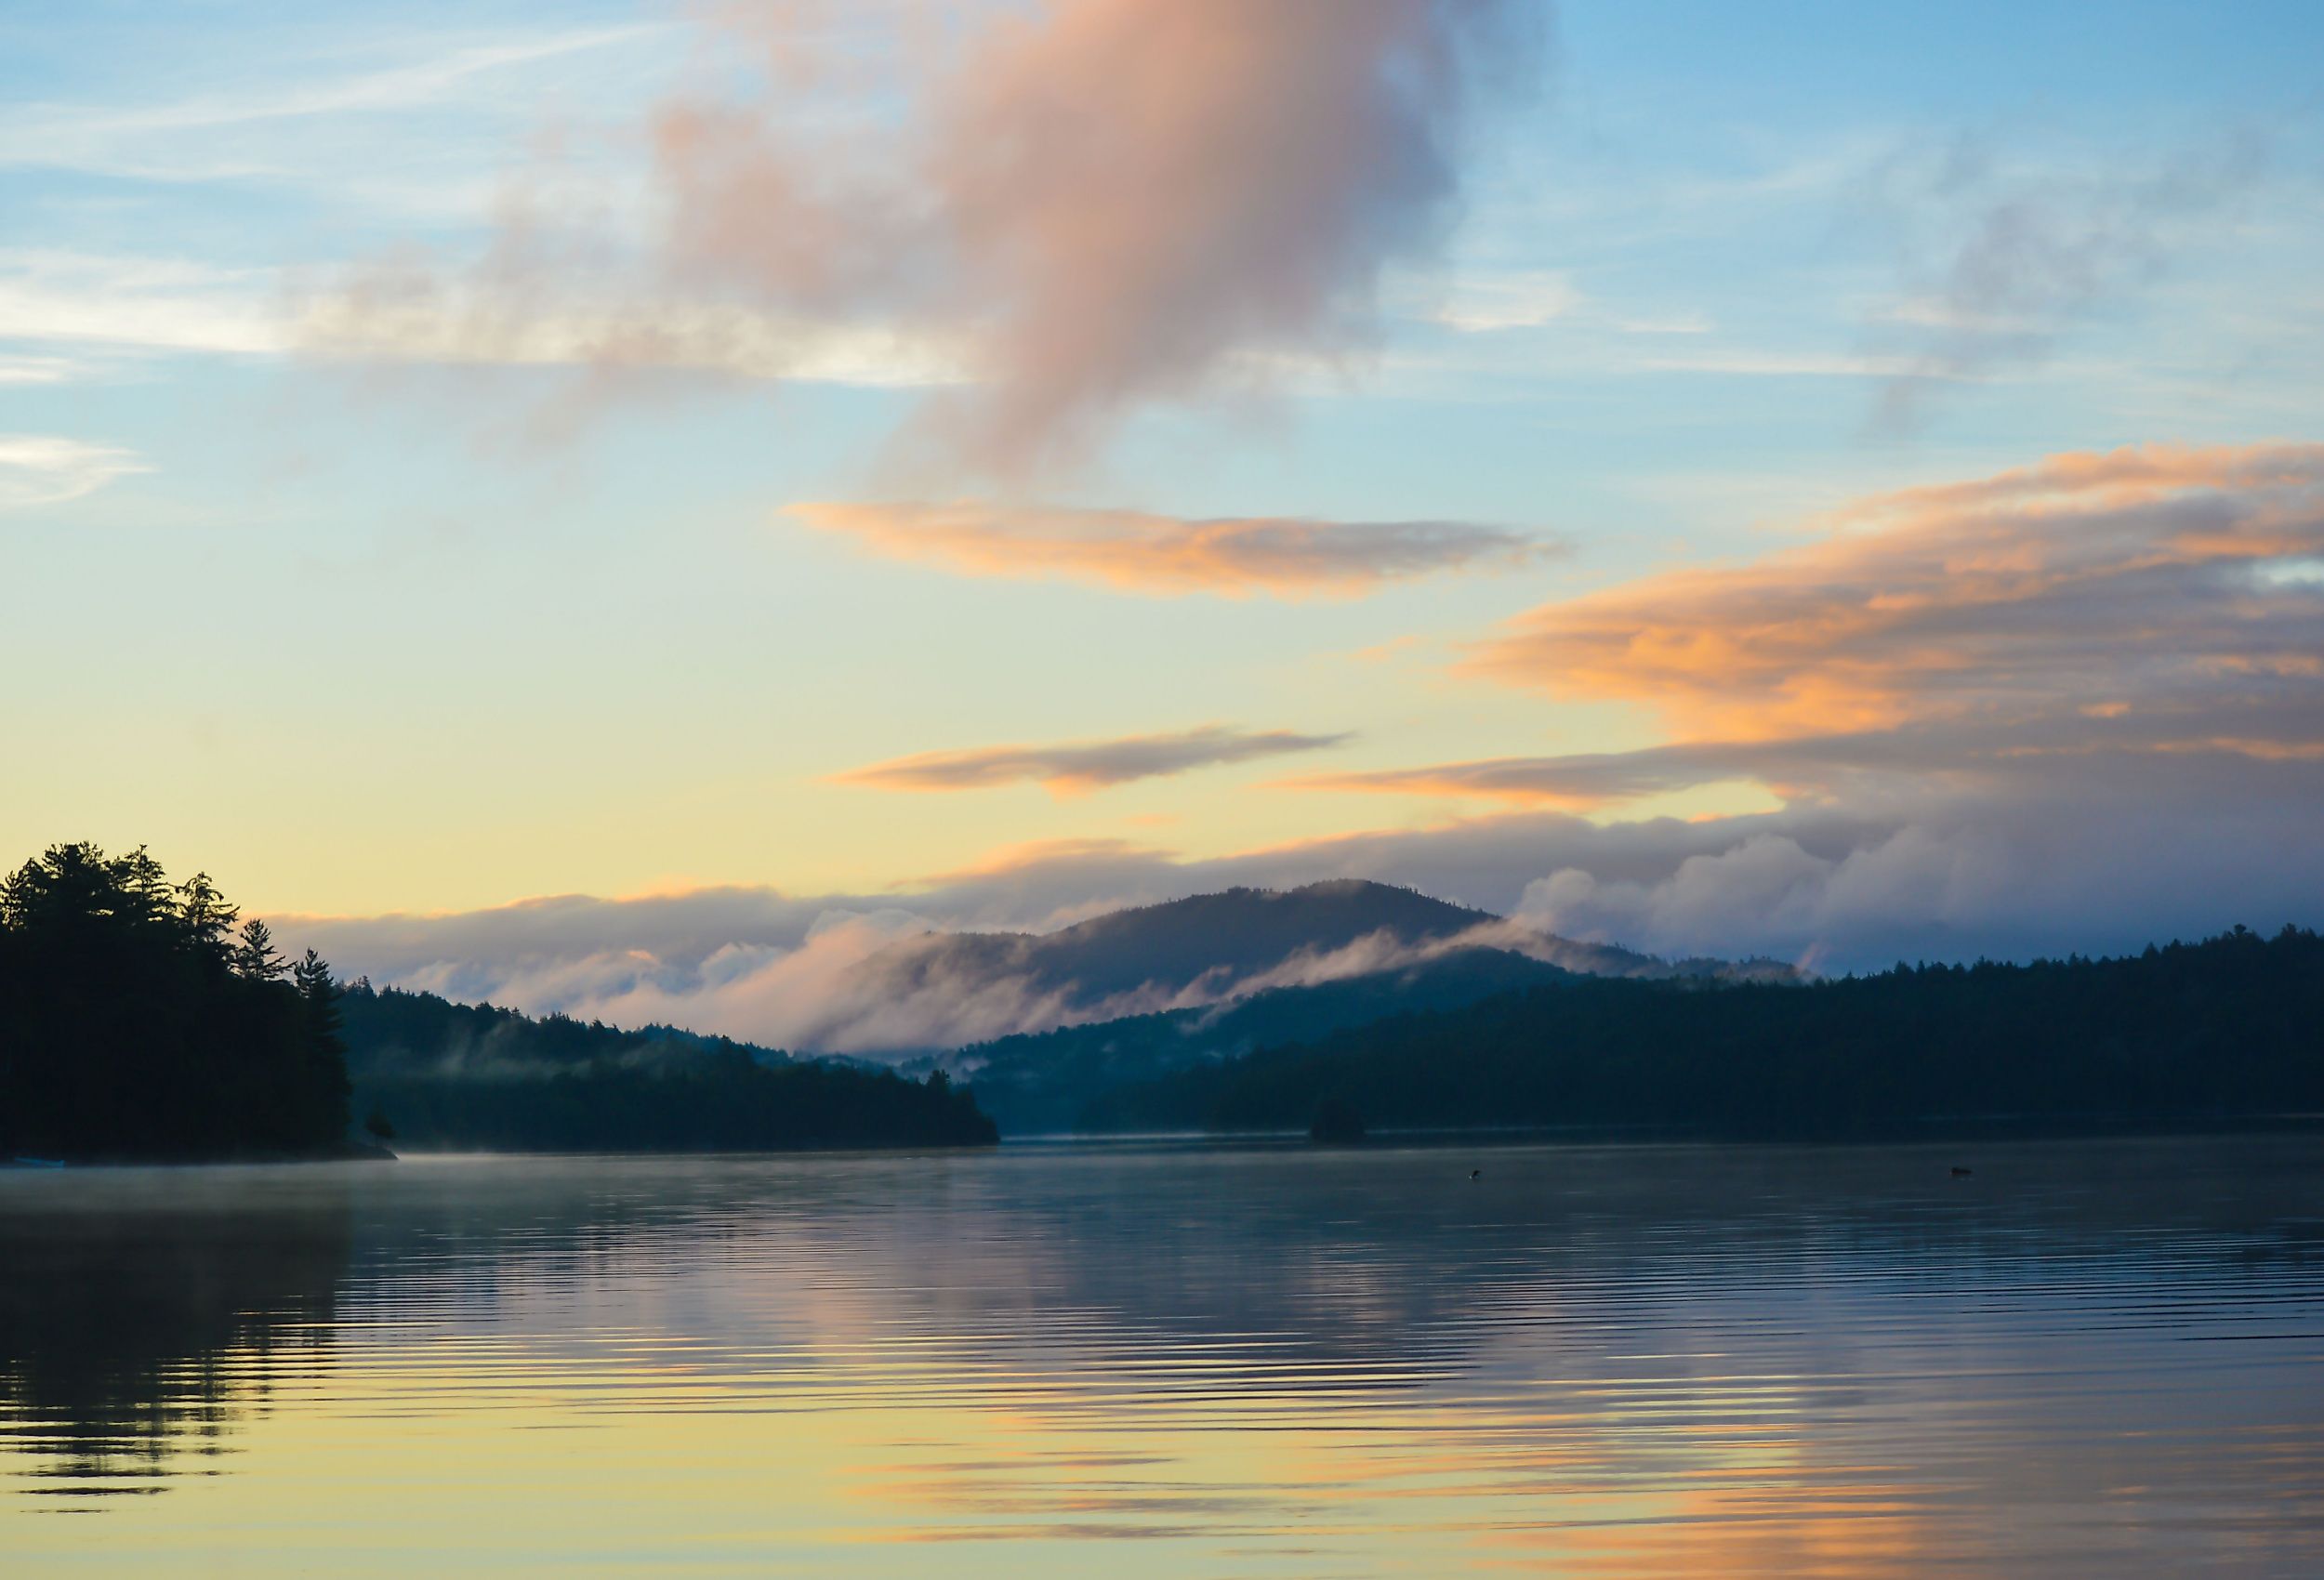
(2102, 1358)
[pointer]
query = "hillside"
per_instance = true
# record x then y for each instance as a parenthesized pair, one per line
(475, 1078)
(2222, 1029)
(1042, 1084)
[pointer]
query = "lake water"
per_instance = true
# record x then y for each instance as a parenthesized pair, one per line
(2091, 1359)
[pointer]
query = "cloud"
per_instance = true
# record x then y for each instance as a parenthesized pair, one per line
(2089, 855)
(1094, 204)
(2084, 857)
(2072, 852)
(155, 303)
(2075, 706)
(38, 370)
(1076, 767)
(1579, 782)
(1165, 555)
(1999, 261)
(404, 311)
(194, 139)
(1527, 299)
(2072, 705)
(2154, 585)
(43, 469)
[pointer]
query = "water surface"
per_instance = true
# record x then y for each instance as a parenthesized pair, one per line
(2084, 1359)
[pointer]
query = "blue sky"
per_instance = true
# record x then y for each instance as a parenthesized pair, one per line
(394, 619)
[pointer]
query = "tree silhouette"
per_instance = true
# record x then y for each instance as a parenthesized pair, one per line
(206, 916)
(135, 1025)
(255, 957)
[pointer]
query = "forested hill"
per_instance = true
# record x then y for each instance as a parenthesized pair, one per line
(1042, 1083)
(475, 1078)
(2229, 1028)
(393, 1032)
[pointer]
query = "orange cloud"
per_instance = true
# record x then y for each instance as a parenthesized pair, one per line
(2147, 578)
(1075, 768)
(1138, 552)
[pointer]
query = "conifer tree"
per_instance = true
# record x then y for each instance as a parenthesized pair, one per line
(207, 920)
(255, 958)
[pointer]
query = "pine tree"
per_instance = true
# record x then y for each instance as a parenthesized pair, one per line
(254, 958)
(207, 920)
(311, 977)
(151, 896)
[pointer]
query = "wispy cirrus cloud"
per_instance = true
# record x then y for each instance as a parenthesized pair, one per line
(1136, 551)
(1076, 767)
(1980, 753)
(1997, 261)
(158, 304)
(46, 469)
(201, 137)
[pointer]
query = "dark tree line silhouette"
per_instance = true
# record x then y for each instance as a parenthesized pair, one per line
(2229, 1029)
(139, 1020)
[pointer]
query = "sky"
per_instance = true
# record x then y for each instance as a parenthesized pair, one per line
(523, 492)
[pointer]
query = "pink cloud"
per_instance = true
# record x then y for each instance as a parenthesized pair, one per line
(1076, 767)
(1136, 551)
(1080, 208)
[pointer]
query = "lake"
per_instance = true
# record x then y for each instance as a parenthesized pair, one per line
(2096, 1357)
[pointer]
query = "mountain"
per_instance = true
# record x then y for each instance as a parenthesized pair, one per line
(1040, 1026)
(476, 1078)
(1171, 950)
(2220, 1030)
(937, 992)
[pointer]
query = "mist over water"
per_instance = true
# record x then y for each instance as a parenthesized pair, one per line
(2101, 1358)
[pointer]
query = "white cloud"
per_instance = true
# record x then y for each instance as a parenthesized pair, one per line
(155, 303)
(1525, 299)
(44, 469)
(206, 136)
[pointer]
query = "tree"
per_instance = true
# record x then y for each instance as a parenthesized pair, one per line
(155, 898)
(206, 916)
(254, 958)
(319, 994)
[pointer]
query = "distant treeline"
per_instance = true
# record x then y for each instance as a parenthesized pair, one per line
(2229, 1028)
(1042, 1082)
(138, 1020)
(473, 1077)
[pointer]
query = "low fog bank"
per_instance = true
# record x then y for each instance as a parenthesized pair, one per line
(2092, 861)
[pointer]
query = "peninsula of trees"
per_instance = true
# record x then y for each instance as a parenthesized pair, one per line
(143, 1020)
(140, 1019)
